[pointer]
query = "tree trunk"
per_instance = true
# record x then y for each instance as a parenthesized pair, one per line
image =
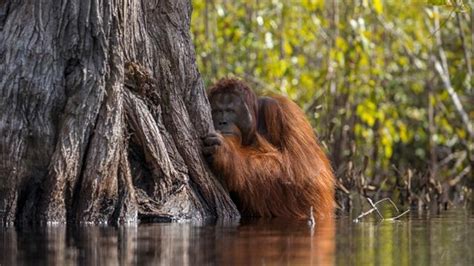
(101, 113)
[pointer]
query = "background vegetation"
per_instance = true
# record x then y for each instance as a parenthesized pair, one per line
(387, 85)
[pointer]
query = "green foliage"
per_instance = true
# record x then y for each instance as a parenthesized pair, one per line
(362, 70)
(438, 2)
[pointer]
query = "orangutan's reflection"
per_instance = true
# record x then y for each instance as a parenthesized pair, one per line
(276, 241)
(252, 242)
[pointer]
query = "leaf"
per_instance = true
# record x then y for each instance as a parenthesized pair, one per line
(378, 6)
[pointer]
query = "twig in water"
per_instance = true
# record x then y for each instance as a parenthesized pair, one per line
(398, 216)
(364, 214)
(311, 221)
(389, 200)
(374, 208)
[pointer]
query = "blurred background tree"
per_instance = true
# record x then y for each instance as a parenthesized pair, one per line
(387, 85)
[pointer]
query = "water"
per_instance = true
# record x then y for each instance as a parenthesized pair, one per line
(445, 239)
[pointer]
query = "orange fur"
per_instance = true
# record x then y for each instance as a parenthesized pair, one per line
(284, 171)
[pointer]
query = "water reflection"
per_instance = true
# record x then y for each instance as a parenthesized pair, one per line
(264, 242)
(248, 243)
(445, 239)
(419, 240)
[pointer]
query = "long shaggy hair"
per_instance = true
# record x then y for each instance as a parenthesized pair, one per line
(285, 172)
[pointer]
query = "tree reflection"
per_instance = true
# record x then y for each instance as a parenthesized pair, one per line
(418, 240)
(250, 242)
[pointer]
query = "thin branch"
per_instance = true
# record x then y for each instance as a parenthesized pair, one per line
(389, 200)
(459, 177)
(467, 52)
(452, 156)
(454, 96)
(375, 207)
(398, 216)
(441, 66)
(364, 214)
(435, 32)
(311, 220)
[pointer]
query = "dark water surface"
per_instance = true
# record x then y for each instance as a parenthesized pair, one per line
(445, 239)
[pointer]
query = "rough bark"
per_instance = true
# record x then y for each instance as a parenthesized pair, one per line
(101, 113)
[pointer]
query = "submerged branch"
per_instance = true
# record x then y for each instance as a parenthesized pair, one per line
(374, 208)
(398, 216)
